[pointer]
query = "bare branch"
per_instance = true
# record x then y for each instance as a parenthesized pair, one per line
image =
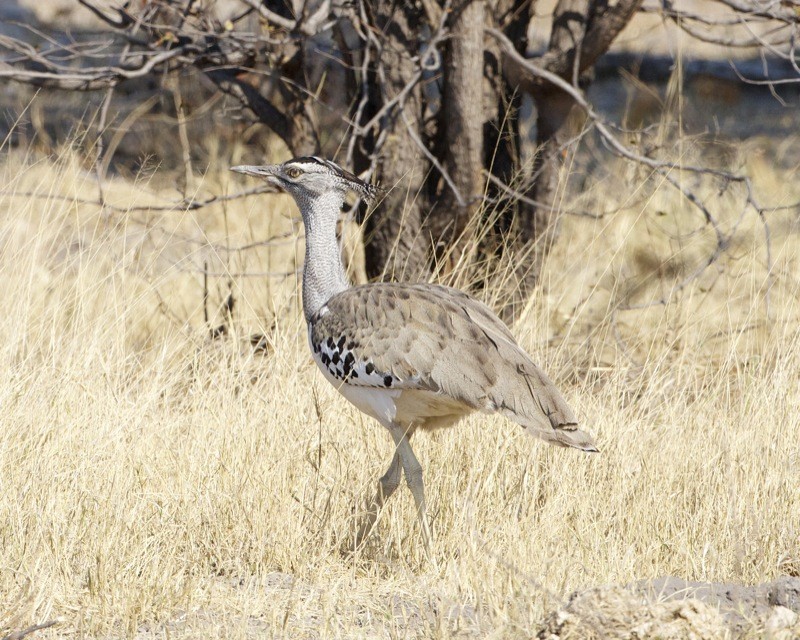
(521, 67)
(602, 29)
(315, 23)
(186, 204)
(123, 21)
(62, 77)
(19, 635)
(775, 10)
(270, 16)
(518, 195)
(230, 83)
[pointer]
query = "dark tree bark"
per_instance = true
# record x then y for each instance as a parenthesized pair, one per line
(461, 119)
(299, 110)
(395, 242)
(294, 65)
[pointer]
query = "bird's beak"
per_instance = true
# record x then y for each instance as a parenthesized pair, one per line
(266, 172)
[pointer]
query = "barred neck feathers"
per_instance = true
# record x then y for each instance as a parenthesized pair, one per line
(323, 271)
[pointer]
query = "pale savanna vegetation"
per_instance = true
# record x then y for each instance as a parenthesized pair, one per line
(159, 483)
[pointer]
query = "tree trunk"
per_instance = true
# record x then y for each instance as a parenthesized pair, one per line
(395, 246)
(461, 120)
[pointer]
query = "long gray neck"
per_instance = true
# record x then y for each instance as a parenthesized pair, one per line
(323, 271)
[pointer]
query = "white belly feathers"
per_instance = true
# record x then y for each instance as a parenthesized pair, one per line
(379, 394)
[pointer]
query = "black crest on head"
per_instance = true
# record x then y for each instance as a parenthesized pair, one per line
(363, 189)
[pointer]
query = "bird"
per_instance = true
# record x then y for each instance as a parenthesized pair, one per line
(413, 356)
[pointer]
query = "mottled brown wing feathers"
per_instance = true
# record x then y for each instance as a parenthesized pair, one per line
(439, 339)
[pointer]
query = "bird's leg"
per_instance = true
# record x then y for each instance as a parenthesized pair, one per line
(386, 486)
(413, 471)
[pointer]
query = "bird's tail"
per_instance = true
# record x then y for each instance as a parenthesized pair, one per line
(569, 436)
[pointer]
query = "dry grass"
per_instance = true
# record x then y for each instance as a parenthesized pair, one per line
(156, 483)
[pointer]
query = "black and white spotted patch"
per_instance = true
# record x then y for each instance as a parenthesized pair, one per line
(340, 357)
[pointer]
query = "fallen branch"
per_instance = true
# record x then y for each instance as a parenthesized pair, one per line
(18, 635)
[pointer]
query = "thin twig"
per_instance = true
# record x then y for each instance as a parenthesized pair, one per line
(99, 167)
(186, 204)
(18, 635)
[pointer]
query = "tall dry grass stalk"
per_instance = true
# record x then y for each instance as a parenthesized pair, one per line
(157, 483)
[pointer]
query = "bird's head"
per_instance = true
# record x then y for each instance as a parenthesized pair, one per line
(309, 177)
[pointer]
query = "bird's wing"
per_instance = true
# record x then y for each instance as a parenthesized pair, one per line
(442, 340)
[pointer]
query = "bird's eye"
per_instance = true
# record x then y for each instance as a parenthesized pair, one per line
(293, 173)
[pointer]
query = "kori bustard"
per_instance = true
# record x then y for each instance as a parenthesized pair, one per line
(412, 356)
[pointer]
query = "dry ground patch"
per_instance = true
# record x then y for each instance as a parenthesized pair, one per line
(157, 483)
